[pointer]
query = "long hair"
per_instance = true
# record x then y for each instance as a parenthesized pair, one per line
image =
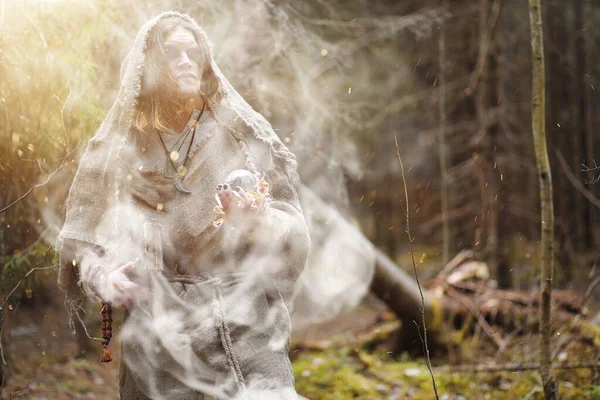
(160, 98)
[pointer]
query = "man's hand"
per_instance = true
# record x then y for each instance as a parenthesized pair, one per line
(235, 202)
(119, 288)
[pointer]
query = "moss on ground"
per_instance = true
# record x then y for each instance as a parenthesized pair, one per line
(344, 373)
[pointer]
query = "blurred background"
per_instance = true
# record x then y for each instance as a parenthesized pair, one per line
(341, 82)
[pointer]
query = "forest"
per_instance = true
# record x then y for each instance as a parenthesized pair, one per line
(449, 177)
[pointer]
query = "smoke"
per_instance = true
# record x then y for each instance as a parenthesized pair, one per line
(310, 77)
(223, 329)
(340, 266)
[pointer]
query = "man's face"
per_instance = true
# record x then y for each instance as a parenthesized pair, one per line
(183, 59)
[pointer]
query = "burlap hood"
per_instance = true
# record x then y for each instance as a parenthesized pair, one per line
(100, 177)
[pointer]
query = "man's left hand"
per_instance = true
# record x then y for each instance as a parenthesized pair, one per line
(235, 202)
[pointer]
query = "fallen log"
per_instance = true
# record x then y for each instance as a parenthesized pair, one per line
(460, 291)
(400, 292)
(323, 291)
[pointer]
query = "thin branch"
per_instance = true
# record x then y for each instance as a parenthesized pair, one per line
(595, 169)
(533, 391)
(24, 277)
(87, 333)
(578, 185)
(477, 314)
(38, 185)
(513, 367)
(66, 155)
(412, 255)
(50, 176)
(62, 117)
(590, 290)
(2, 307)
(455, 262)
(507, 341)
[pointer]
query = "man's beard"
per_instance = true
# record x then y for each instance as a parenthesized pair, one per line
(188, 87)
(178, 94)
(188, 90)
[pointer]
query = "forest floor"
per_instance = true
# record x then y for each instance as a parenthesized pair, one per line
(351, 357)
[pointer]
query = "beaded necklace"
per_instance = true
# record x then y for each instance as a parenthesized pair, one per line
(173, 155)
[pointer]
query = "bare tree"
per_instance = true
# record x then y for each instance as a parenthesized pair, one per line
(547, 210)
(442, 139)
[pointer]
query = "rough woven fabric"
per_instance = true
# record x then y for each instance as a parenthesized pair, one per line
(94, 206)
(206, 321)
(123, 205)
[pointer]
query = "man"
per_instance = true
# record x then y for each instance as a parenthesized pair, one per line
(206, 314)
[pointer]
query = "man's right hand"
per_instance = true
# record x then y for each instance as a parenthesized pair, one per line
(119, 288)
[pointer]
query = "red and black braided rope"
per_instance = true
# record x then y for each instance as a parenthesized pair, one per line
(106, 312)
(107, 320)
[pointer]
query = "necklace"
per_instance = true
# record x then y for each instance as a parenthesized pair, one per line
(181, 139)
(173, 155)
(187, 130)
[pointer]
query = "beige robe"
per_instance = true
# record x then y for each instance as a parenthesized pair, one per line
(221, 290)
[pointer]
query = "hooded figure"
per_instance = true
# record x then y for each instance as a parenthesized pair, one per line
(205, 269)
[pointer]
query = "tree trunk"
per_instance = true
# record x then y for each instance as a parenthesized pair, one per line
(588, 110)
(442, 138)
(560, 130)
(547, 212)
(399, 291)
(4, 340)
(586, 241)
(486, 101)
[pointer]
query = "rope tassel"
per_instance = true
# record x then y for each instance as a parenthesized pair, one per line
(107, 320)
